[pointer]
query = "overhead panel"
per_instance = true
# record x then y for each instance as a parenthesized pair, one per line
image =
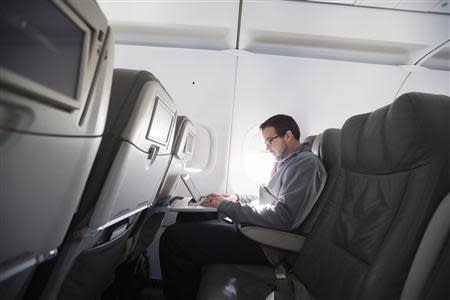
(340, 32)
(423, 6)
(378, 3)
(180, 24)
(442, 7)
(372, 31)
(438, 60)
(433, 6)
(347, 2)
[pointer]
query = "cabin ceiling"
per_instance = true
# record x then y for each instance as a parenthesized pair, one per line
(395, 32)
(430, 6)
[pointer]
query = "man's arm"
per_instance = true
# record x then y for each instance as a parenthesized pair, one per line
(231, 197)
(302, 184)
(243, 198)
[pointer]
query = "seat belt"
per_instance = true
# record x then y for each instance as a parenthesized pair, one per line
(283, 286)
(287, 286)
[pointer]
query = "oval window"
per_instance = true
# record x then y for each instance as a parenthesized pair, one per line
(258, 162)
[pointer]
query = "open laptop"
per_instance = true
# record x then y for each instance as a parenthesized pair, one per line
(196, 196)
(190, 203)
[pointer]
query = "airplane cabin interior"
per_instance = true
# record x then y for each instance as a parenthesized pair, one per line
(117, 117)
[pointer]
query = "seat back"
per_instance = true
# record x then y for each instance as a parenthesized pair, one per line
(182, 152)
(393, 174)
(327, 146)
(309, 140)
(135, 151)
(437, 284)
(129, 167)
(430, 270)
(54, 92)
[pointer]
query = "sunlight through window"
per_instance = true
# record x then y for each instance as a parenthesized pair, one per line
(258, 163)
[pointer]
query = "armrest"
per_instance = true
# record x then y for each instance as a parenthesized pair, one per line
(274, 238)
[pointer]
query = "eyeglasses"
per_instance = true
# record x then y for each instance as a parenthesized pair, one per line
(268, 141)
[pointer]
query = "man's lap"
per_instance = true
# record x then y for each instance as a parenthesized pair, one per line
(212, 241)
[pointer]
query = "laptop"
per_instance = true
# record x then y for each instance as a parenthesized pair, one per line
(190, 204)
(196, 196)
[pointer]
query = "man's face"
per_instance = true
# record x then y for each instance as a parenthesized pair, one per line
(278, 144)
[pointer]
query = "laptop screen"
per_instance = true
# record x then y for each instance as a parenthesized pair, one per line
(191, 187)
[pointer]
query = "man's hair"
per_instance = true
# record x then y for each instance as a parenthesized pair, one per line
(282, 123)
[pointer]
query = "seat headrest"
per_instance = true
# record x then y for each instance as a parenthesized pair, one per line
(126, 86)
(309, 139)
(181, 122)
(397, 137)
(180, 127)
(316, 145)
(313, 142)
(328, 145)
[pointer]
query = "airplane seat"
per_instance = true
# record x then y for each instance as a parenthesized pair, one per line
(326, 146)
(182, 151)
(316, 145)
(55, 80)
(309, 140)
(438, 288)
(430, 270)
(393, 175)
(181, 154)
(129, 167)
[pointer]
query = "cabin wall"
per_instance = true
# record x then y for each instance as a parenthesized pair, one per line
(227, 94)
(319, 94)
(201, 82)
(427, 81)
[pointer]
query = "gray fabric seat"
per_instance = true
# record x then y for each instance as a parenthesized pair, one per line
(394, 172)
(430, 270)
(182, 152)
(152, 218)
(54, 94)
(129, 168)
(326, 147)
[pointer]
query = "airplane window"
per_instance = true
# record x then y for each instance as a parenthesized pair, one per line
(258, 163)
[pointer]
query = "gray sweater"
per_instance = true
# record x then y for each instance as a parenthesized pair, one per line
(287, 198)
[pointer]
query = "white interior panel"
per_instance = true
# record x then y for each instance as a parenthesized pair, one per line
(419, 5)
(351, 33)
(347, 2)
(378, 3)
(200, 24)
(439, 59)
(201, 83)
(319, 94)
(442, 7)
(427, 81)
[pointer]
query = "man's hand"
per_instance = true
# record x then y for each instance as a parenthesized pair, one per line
(228, 196)
(212, 200)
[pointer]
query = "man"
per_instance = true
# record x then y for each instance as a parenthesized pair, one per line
(297, 179)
